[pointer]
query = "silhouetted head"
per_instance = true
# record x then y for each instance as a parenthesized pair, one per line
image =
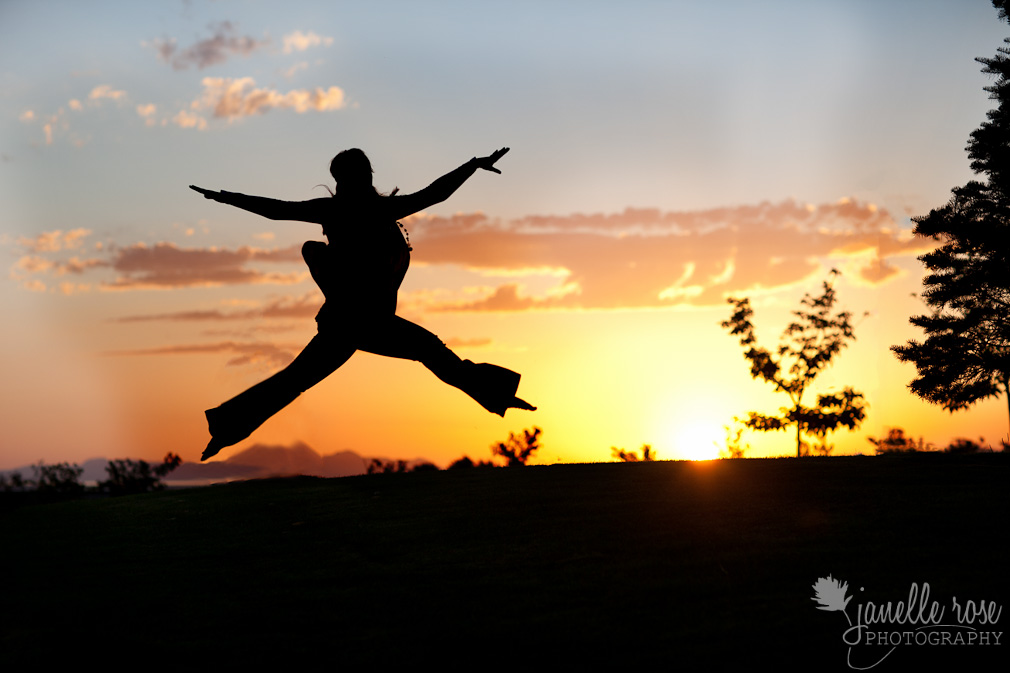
(352, 171)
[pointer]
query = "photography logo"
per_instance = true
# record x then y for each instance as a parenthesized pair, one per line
(876, 630)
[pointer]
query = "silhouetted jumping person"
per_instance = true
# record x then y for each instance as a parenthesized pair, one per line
(359, 271)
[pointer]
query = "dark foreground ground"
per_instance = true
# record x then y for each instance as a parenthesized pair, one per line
(686, 566)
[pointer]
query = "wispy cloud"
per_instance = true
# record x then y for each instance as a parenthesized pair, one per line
(26, 269)
(290, 72)
(166, 265)
(299, 41)
(147, 112)
(41, 256)
(233, 98)
(160, 266)
(244, 353)
(106, 91)
(213, 50)
(304, 306)
(189, 120)
(53, 241)
(57, 124)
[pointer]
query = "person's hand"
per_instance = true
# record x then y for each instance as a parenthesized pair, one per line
(207, 193)
(487, 163)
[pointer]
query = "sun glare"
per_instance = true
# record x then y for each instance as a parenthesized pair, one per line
(697, 440)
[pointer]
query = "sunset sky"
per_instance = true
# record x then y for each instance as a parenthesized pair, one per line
(665, 156)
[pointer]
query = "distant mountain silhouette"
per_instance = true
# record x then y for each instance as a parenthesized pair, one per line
(262, 460)
(257, 462)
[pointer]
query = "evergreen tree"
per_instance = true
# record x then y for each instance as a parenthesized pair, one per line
(966, 354)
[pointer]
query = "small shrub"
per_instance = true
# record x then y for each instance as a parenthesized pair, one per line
(518, 449)
(632, 457)
(897, 442)
(962, 445)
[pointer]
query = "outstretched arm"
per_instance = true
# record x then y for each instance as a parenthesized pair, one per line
(443, 188)
(274, 209)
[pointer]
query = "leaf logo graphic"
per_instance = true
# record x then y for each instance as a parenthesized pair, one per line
(830, 593)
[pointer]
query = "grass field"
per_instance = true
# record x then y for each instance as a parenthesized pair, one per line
(683, 565)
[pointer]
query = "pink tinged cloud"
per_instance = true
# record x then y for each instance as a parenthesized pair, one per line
(189, 120)
(166, 266)
(299, 41)
(638, 258)
(106, 91)
(235, 98)
(163, 265)
(30, 264)
(50, 243)
(645, 258)
(147, 113)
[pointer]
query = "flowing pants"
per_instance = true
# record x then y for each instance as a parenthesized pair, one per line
(492, 386)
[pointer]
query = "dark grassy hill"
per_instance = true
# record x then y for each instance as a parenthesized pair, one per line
(682, 565)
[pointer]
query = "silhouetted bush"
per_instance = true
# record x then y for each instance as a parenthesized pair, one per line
(963, 445)
(13, 482)
(58, 479)
(379, 466)
(897, 442)
(631, 456)
(137, 476)
(465, 462)
(735, 448)
(518, 449)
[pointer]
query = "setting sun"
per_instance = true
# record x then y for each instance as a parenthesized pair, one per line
(697, 440)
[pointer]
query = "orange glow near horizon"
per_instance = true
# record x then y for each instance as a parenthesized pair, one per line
(668, 378)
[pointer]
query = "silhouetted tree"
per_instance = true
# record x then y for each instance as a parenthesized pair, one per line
(137, 476)
(58, 479)
(465, 462)
(897, 442)
(965, 357)
(518, 449)
(807, 348)
(377, 466)
(632, 457)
